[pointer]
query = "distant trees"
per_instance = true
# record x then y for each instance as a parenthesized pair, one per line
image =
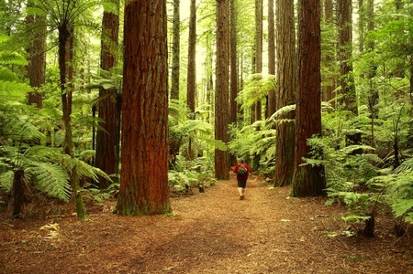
(233, 63)
(222, 88)
(144, 174)
(271, 106)
(191, 71)
(308, 180)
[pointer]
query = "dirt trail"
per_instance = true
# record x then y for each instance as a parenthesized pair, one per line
(212, 232)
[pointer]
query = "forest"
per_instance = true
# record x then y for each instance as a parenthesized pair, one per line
(122, 122)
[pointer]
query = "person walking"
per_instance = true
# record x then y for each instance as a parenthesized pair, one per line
(242, 170)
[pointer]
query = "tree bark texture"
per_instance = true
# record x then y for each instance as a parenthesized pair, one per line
(107, 139)
(361, 24)
(308, 180)
(271, 56)
(191, 71)
(258, 49)
(37, 28)
(328, 57)
(144, 155)
(348, 90)
(234, 64)
(176, 33)
(286, 80)
(222, 89)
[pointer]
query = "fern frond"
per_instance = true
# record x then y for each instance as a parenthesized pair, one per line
(50, 179)
(6, 180)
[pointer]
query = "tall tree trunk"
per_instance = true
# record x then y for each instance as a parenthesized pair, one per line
(271, 56)
(348, 90)
(329, 56)
(106, 139)
(144, 158)
(373, 98)
(308, 180)
(286, 74)
(66, 60)
(175, 51)
(222, 89)
(258, 48)
(361, 24)
(37, 28)
(191, 74)
(233, 65)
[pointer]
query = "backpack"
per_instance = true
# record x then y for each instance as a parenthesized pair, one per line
(242, 170)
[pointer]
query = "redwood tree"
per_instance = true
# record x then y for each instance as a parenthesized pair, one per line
(271, 56)
(286, 81)
(308, 180)
(107, 137)
(37, 28)
(258, 48)
(144, 157)
(233, 65)
(348, 91)
(191, 71)
(222, 88)
(176, 33)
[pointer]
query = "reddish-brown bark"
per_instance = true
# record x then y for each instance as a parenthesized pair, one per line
(37, 27)
(176, 37)
(328, 58)
(271, 57)
(144, 173)
(107, 139)
(308, 180)
(348, 90)
(233, 65)
(286, 74)
(222, 88)
(191, 71)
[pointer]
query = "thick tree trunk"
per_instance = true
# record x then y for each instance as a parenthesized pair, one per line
(286, 74)
(222, 89)
(176, 32)
(271, 56)
(144, 157)
(37, 28)
(308, 180)
(233, 65)
(191, 73)
(348, 91)
(106, 140)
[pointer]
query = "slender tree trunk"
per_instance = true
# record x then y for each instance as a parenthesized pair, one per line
(286, 74)
(361, 24)
(191, 73)
(348, 90)
(176, 51)
(222, 89)
(66, 60)
(308, 180)
(258, 48)
(234, 65)
(37, 28)
(329, 56)
(106, 140)
(271, 56)
(144, 157)
(18, 198)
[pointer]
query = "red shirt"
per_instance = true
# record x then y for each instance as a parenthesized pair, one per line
(242, 176)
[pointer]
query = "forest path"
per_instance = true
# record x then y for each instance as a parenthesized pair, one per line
(213, 232)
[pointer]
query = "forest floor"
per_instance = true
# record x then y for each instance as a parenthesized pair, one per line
(213, 232)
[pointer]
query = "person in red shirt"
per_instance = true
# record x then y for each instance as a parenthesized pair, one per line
(242, 170)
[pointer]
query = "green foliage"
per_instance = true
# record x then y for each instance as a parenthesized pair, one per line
(255, 90)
